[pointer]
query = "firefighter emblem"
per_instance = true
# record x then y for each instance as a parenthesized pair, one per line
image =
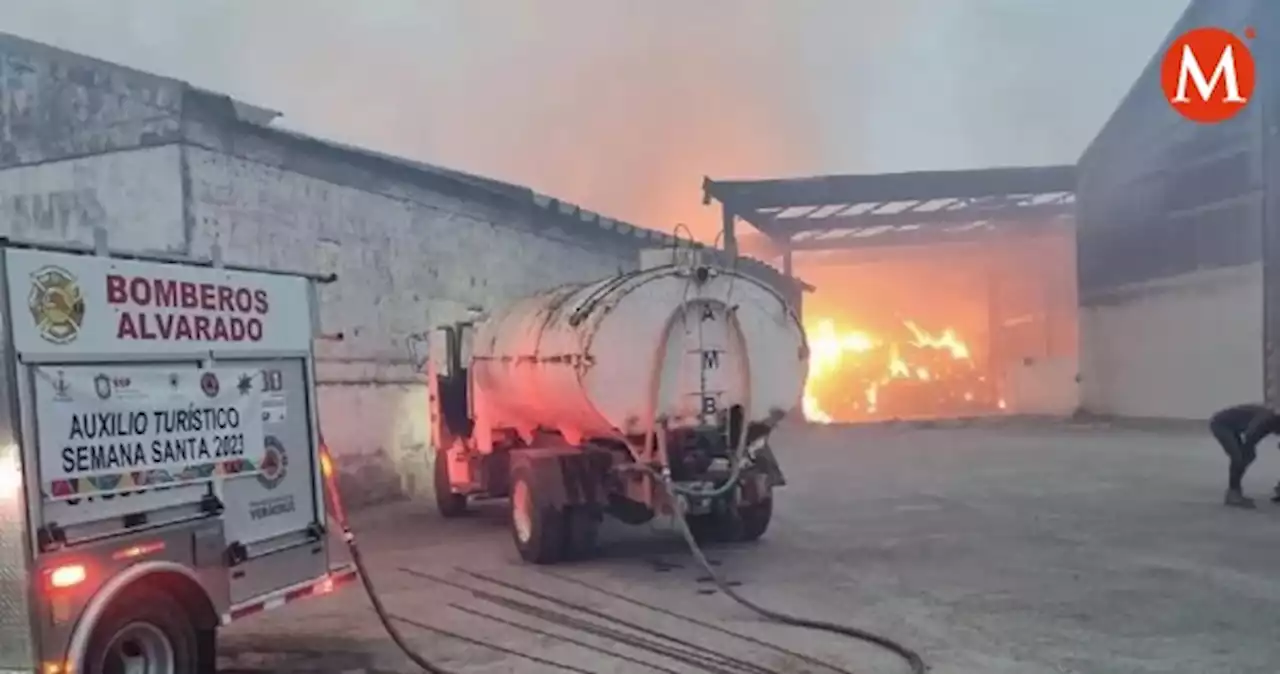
(56, 304)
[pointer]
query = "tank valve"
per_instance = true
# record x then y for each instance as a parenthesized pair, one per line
(701, 274)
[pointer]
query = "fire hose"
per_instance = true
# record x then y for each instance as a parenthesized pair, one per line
(349, 537)
(677, 495)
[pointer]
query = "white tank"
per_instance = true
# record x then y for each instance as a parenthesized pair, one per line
(581, 359)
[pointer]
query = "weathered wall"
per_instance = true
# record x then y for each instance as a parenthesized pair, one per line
(54, 104)
(1177, 348)
(1172, 226)
(164, 166)
(406, 260)
(1037, 331)
(136, 195)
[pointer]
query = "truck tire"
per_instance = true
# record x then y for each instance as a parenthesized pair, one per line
(742, 524)
(449, 504)
(146, 630)
(754, 520)
(537, 527)
(582, 531)
(706, 528)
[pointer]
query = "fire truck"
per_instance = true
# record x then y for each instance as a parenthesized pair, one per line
(161, 469)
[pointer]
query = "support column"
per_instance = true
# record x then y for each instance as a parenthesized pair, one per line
(1268, 166)
(995, 365)
(729, 232)
(786, 260)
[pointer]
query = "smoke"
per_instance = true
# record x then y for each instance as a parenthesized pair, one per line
(623, 106)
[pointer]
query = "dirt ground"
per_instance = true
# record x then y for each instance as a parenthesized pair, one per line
(1017, 549)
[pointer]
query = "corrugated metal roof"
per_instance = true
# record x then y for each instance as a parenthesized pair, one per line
(841, 211)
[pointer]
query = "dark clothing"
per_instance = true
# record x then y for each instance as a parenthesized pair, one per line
(1241, 455)
(1251, 422)
(1239, 429)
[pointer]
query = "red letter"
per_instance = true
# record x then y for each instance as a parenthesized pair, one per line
(143, 332)
(115, 290)
(260, 302)
(164, 322)
(125, 329)
(254, 328)
(225, 293)
(140, 291)
(202, 328)
(166, 293)
(182, 329)
(208, 297)
(244, 300)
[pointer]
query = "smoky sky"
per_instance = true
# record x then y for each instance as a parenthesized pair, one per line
(622, 106)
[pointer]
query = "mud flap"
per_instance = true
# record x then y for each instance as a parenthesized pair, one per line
(764, 458)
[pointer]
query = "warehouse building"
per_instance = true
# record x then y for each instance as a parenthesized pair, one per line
(1179, 242)
(936, 293)
(165, 166)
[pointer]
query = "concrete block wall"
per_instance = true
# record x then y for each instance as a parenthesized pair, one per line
(55, 104)
(136, 195)
(165, 167)
(1176, 348)
(405, 263)
(1042, 387)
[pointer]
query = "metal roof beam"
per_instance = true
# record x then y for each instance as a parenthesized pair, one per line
(740, 196)
(927, 237)
(925, 220)
(853, 256)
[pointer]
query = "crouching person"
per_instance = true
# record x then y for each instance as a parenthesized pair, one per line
(1239, 429)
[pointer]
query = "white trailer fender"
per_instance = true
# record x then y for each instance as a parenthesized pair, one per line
(109, 592)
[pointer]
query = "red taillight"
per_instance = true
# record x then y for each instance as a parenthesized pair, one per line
(68, 575)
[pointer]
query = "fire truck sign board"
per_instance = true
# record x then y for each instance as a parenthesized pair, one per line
(67, 304)
(105, 429)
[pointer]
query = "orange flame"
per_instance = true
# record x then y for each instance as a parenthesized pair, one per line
(835, 352)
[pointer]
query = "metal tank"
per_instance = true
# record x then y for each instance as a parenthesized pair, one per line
(679, 342)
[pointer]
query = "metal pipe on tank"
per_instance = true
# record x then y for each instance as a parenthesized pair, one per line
(569, 359)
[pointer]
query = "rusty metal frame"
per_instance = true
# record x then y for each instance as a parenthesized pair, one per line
(856, 211)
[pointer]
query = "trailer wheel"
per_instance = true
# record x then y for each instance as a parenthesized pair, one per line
(707, 528)
(582, 531)
(538, 528)
(734, 525)
(448, 503)
(145, 631)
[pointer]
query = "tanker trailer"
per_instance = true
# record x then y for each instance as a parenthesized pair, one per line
(582, 400)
